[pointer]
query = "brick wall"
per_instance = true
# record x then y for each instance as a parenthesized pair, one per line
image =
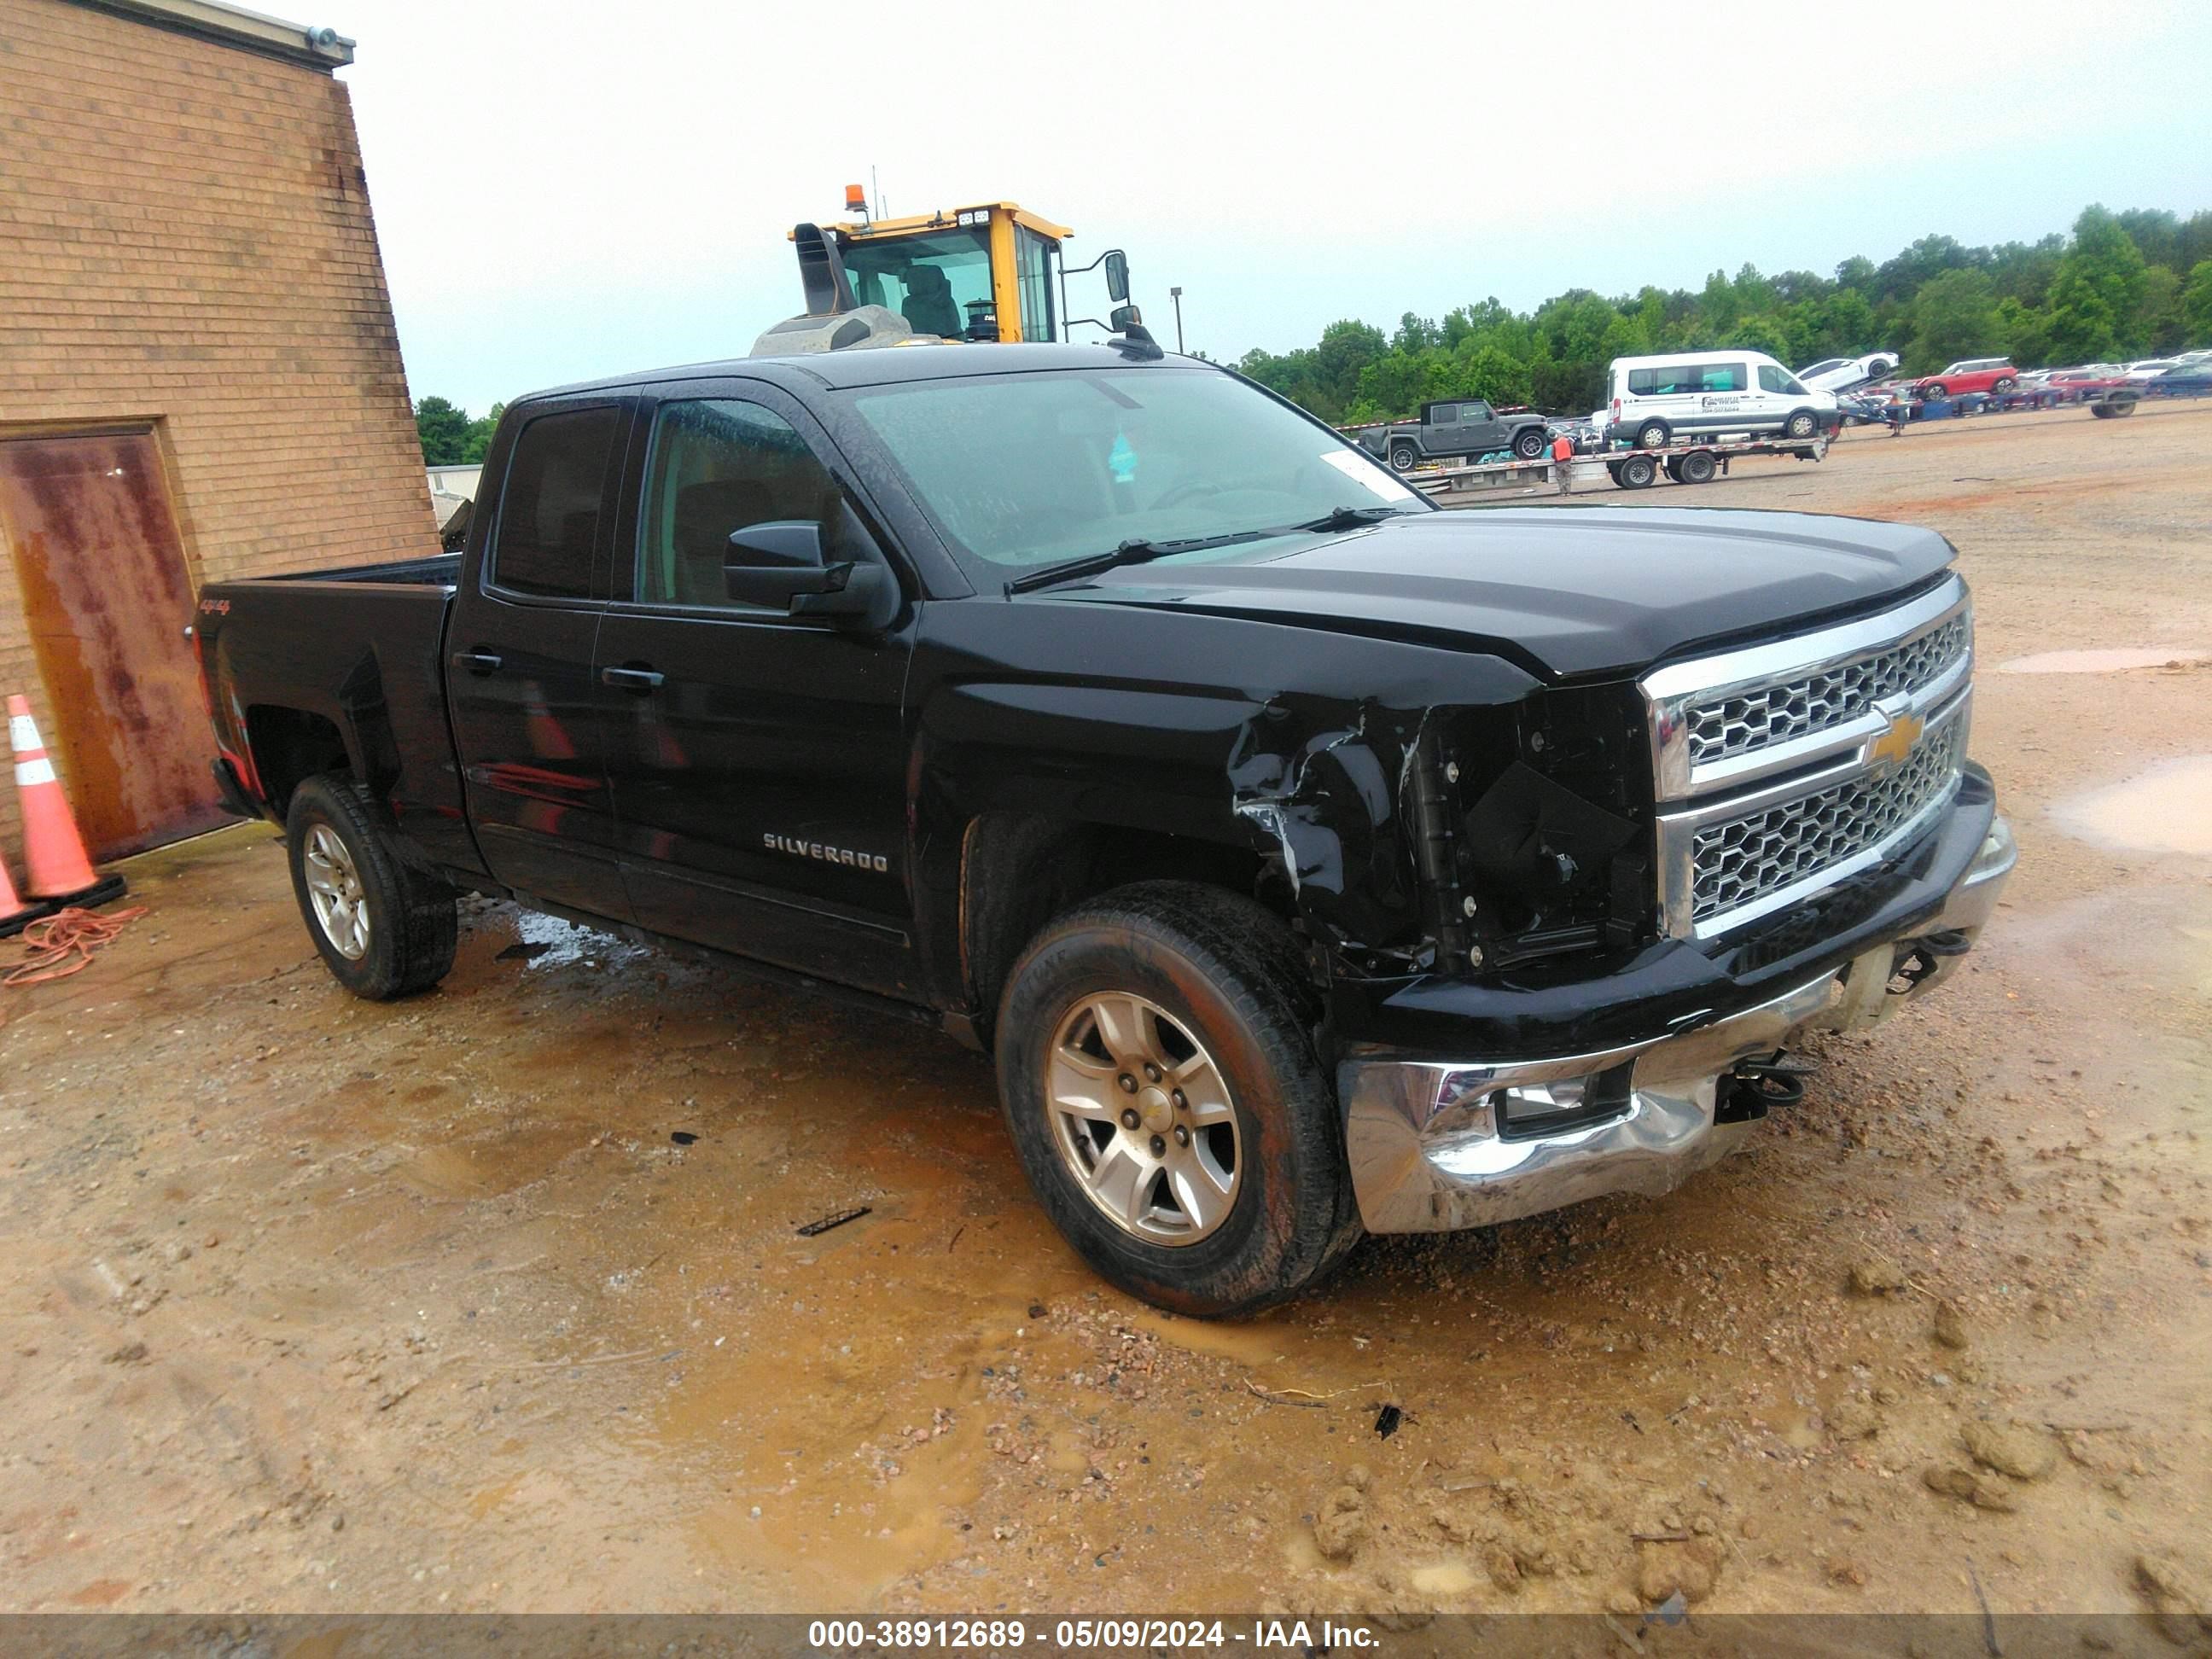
(186, 238)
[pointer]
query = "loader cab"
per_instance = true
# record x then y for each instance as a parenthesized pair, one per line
(990, 272)
(983, 273)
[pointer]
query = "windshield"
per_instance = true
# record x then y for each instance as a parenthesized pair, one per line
(932, 281)
(1027, 469)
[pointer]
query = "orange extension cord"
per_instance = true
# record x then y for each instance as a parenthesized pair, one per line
(62, 943)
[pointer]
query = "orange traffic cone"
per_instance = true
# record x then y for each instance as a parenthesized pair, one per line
(15, 914)
(54, 861)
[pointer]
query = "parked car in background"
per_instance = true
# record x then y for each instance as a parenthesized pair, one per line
(2187, 379)
(2076, 383)
(1657, 401)
(1973, 374)
(2147, 368)
(1450, 431)
(1585, 431)
(1848, 373)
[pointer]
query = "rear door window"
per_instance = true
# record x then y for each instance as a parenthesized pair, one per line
(547, 540)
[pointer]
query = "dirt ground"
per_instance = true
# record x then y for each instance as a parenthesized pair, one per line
(316, 1305)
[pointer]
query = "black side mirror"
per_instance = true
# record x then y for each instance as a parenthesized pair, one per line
(778, 564)
(1117, 275)
(1124, 318)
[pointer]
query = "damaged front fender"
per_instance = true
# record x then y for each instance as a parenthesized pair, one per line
(1327, 802)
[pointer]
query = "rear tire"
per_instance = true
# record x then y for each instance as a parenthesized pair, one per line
(1530, 442)
(1653, 434)
(1636, 472)
(2005, 387)
(1403, 458)
(383, 929)
(1213, 986)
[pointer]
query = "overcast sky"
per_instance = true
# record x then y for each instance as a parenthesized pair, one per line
(569, 190)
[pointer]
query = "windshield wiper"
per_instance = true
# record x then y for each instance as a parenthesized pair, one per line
(1138, 550)
(1350, 517)
(1135, 550)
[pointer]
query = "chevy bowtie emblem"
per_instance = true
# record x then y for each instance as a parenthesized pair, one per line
(1894, 746)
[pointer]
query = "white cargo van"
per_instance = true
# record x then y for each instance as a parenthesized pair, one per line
(1657, 401)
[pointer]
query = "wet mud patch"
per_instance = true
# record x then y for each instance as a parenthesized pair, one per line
(2167, 808)
(2105, 660)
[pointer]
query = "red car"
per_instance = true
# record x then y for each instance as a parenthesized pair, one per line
(2078, 384)
(1974, 374)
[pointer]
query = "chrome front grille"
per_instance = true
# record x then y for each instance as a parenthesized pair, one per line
(1735, 863)
(1760, 716)
(1781, 770)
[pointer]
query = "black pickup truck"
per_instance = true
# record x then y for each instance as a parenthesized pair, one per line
(1310, 859)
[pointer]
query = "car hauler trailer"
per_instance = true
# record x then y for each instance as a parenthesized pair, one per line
(1630, 469)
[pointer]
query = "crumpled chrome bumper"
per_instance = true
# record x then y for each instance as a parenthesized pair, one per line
(1438, 1144)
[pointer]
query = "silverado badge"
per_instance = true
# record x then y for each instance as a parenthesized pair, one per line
(798, 848)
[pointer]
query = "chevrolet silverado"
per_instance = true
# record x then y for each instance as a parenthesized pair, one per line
(1311, 859)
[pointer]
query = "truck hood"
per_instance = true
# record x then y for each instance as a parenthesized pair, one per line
(1567, 591)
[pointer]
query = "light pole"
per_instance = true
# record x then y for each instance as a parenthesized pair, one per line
(1175, 293)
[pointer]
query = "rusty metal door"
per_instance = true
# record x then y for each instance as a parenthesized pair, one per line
(107, 597)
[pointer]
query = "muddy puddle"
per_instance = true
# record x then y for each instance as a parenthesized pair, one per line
(2167, 808)
(2115, 660)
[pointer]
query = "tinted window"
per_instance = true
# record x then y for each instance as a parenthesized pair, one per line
(549, 517)
(1444, 414)
(718, 466)
(1675, 377)
(1771, 379)
(1722, 377)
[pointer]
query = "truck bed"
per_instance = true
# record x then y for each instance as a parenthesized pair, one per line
(343, 667)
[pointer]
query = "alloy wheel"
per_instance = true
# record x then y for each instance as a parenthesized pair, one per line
(334, 888)
(1143, 1119)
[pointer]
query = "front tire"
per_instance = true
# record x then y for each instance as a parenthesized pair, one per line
(1931, 393)
(383, 929)
(1403, 458)
(1232, 1198)
(1801, 424)
(1530, 442)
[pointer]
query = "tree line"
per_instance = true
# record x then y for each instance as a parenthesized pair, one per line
(2121, 286)
(450, 437)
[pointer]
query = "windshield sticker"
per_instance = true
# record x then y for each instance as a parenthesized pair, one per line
(1365, 472)
(1123, 459)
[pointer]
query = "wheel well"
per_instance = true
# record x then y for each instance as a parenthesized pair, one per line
(1017, 873)
(291, 745)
